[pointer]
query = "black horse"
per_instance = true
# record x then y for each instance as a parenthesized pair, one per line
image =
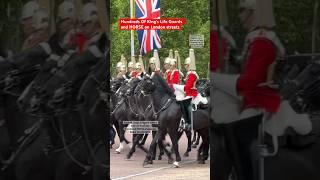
(144, 110)
(25, 158)
(64, 128)
(168, 114)
(92, 110)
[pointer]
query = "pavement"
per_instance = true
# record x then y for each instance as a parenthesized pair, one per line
(189, 169)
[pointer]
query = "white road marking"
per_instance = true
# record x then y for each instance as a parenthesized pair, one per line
(154, 170)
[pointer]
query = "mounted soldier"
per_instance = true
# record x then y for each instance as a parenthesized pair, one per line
(138, 70)
(166, 65)
(154, 63)
(187, 94)
(90, 25)
(68, 32)
(131, 68)
(174, 77)
(26, 20)
(167, 71)
(227, 44)
(178, 65)
(40, 29)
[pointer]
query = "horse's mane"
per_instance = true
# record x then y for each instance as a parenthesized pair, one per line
(134, 82)
(162, 85)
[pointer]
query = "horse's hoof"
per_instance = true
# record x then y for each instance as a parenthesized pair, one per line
(146, 164)
(186, 154)
(117, 152)
(154, 158)
(176, 164)
(194, 146)
(159, 158)
(170, 161)
(128, 158)
(201, 161)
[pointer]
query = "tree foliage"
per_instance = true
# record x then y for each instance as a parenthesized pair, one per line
(196, 13)
(294, 20)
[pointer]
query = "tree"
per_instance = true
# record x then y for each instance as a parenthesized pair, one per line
(294, 20)
(196, 13)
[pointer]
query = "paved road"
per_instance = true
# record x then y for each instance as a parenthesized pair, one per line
(133, 170)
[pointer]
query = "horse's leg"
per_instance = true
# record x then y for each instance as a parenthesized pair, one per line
(188, 134)
(140, 144)
(155, 149)
(194, 136)
(143, 141)
(200, 154)
(198, 139)
(174, 138)
(206, 146)
(136, 138)
(112, 136)
(148, 159)
(121, 132)
(163, 147)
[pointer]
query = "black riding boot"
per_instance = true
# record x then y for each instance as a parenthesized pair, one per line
(186, 113)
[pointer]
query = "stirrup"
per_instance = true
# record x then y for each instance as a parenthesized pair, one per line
(181, 124)
(187, 127)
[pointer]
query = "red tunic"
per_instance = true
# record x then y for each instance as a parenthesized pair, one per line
(261, 54)
(174, 78)
(190, 86)
(80, 40)
(135, 74)
(214, 50)
(167, 75)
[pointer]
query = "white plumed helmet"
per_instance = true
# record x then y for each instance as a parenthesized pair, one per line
(40, 19)
(191, 60)
(138, 65)
(119, 64)
(130, 64)
(66, 10)
(29, 9)
(167, 60)
(89, 13)
(157, 59)
(263, 14)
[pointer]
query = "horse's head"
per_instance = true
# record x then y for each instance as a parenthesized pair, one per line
(132, 84)
(204, 87)
(60, 95)
(16, 80)
(147, 85)
(115, 85)
(36, 87)
(36, 100)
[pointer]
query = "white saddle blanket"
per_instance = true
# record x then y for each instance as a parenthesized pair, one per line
(180, 95)
(286, 117)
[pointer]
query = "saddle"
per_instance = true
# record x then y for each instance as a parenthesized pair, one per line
(288, 128)
(197, 102)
